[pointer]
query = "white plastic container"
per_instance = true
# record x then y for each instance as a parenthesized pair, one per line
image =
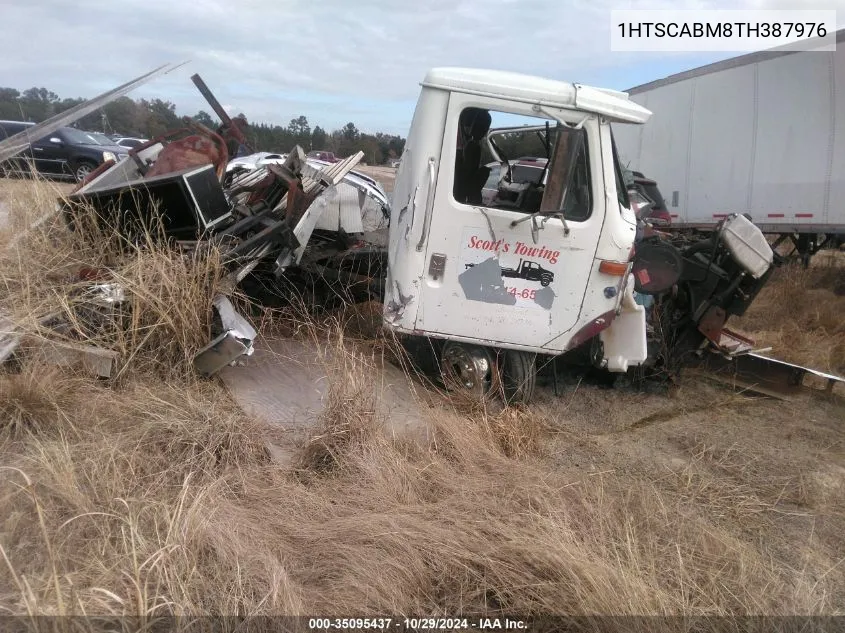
(748, 245)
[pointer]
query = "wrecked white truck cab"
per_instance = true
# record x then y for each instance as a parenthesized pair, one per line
(542, 274)
(498, 249)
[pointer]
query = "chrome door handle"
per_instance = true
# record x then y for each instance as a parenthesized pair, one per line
(429, 203)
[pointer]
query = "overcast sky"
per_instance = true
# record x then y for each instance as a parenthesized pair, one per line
(331, 60)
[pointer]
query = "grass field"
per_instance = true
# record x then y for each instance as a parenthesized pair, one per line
(156, 495)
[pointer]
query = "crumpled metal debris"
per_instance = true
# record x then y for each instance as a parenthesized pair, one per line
(179, 180)
(266, 215)
(235, 340)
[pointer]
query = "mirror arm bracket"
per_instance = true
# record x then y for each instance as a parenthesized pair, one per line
(535, 229)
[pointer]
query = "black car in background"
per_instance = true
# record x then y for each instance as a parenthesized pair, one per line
(66, 153)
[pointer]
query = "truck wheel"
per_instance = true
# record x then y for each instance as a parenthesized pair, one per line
(545, 281)
(519, 376)
(467, 368)
(82, 169)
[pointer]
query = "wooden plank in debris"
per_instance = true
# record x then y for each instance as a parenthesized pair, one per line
(336, 172)
(248, 178)
(314, 180)
(94, 360)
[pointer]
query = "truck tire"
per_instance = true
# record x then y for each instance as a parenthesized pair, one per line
(545, 280)
(519, 376)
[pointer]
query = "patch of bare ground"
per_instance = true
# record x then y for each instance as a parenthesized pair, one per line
(386, 176)
(155, 495)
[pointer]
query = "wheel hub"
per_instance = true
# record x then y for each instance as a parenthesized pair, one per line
(467, 368)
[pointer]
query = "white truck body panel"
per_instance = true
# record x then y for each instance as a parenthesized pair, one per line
(435, 240)
(537, 91)
(760, 134)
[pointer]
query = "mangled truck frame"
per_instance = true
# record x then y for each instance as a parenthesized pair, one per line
(560, 267)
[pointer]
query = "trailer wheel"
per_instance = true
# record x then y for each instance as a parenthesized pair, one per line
(519, 376)
(467, 368)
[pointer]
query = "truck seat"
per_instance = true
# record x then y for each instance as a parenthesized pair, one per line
(470, 175)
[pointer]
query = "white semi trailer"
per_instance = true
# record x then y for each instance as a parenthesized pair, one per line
(761, 134)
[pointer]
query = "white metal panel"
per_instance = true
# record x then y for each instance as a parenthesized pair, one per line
(721, 145)
(793, 134)
(344, 212)
(665, 142)
(777, 125)
(353, 211)
(538, 90)
(415, 180)
(836, 203)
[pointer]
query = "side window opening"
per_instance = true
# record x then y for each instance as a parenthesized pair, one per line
(522, 163)
(578, 203)
(621, 185)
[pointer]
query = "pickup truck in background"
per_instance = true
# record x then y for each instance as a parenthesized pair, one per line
(329, 157)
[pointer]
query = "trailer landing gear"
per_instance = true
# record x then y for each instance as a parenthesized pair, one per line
(805, 245)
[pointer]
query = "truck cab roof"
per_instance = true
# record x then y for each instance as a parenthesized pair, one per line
(612, 104)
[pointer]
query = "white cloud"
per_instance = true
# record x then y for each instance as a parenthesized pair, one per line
(333, 60)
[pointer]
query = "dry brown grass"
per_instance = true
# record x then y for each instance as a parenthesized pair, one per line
(156, 496)
(799, 313)
(169, 294)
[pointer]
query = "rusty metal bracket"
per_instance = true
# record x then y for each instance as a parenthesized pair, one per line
(218, 109)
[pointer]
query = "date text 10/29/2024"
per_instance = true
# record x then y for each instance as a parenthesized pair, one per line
(416, 624)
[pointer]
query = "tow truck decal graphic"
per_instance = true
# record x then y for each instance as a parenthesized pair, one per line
(528, 270)
(498, 271)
